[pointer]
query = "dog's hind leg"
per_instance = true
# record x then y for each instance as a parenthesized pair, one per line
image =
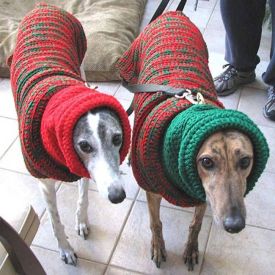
(66, 252)
(82, 208)
(158, 253)
(191, 251)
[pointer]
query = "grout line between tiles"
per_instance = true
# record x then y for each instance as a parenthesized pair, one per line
(209, 18)
(57, 252)
(5, 152)
(260, 227)
(125, 269)
(11, 118)
(14, 171)
(120, 233)
(206, 246)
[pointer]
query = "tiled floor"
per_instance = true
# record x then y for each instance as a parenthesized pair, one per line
(119, 240)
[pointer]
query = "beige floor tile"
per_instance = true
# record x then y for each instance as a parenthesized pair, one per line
(7, 107)
(13, 159)
(109, 88)
(18, 189)
(136, 238)
(251, 252)
(200, 17)
(269, 133)
(260, 203)
(118, 271)
(123, 93)
(9, 132)
(251, 103)
(150, 9)
(52, 264)
(105, 219)
(142, 197)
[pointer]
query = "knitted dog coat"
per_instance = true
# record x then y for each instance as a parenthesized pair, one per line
(50, 95)
(168, 131)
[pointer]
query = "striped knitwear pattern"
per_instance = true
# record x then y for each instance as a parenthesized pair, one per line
(50, 95)
(170, 51)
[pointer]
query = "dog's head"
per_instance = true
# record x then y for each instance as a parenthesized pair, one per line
(224, 162)
(97, 139)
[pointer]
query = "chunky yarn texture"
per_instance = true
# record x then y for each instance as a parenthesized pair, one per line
(50, 95)
(171, 51)
(190, 128)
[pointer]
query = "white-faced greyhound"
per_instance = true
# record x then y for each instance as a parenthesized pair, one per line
(68, 131)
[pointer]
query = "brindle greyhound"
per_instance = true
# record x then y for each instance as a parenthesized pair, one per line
(224, 162)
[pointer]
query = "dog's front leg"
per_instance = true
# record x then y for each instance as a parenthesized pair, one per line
(191, 252)
(158, 253)
(66, 252)
(81, 226)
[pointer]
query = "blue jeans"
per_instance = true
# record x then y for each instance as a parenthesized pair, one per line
(243, 25)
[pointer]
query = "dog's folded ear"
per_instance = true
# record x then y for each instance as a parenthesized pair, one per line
(9, 60)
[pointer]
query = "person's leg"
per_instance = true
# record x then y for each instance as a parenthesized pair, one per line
(243, 25)
(269, 75)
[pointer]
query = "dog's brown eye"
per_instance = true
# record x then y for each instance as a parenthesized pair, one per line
(207, 163)
(117, 139)
(85, 147)
(244, 162)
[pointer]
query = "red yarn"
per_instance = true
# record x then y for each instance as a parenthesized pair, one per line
(170, 51)
(60, 117)
(46, 82)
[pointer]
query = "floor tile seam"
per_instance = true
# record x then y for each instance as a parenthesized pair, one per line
(8, 148)
(7, 117)
(209, 18)
(120, 85)
(124, 269)
(260, 227)
(14, 171)
(56, 251)
(121, 230)
(206, 246)
(173, 208)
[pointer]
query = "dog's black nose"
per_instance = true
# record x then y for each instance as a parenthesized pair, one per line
(234, 223)
(116, 195)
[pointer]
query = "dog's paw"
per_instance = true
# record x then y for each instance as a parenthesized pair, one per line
(191, 256)
(82, 230)
(68, 256)
(158, 252)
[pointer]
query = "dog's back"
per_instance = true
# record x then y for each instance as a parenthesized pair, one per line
(171, 51)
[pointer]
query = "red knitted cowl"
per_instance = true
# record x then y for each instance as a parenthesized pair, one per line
(50, 95)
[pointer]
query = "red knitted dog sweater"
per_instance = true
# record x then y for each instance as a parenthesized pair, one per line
(50, 95)
(170, 51)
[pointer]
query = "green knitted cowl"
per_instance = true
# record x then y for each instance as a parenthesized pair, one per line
(190, 128)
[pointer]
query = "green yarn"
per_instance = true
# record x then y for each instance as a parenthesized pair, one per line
(190, 128)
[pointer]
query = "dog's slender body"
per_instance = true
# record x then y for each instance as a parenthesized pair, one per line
(224, 162)
(68, 131)
(182, 150)
(97, 140)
